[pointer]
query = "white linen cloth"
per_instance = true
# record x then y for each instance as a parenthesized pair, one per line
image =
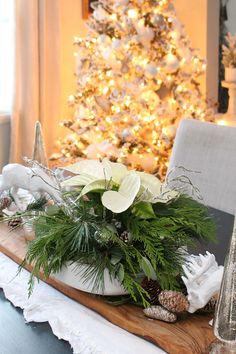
(85, 330)
(211, 150)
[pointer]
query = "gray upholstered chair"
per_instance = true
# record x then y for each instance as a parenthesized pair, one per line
(211, 150)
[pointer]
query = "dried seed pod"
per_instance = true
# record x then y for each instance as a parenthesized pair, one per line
(159, 313)
(174, 301)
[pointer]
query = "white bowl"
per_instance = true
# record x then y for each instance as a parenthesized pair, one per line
(71, 275)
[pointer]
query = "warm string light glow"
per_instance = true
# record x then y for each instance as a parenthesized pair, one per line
(136, 78)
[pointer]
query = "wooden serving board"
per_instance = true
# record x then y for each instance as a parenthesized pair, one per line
(190, 335)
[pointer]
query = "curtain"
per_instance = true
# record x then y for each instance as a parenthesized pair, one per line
(44, 34)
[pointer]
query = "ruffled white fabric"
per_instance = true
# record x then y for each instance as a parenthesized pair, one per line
(85, 330)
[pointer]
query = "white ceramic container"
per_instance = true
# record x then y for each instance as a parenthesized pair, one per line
(71, 275)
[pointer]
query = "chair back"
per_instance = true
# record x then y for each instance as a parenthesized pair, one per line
(211, 150)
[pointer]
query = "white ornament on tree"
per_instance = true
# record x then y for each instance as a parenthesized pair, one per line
(151, 71)
(100, 14)
(104, 39)
(116, 44)
(171, 63)
(145, 34)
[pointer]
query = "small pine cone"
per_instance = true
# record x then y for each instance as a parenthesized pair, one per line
(153, 288)
(5, 202)
(210, 306)
(174, 301)
(125, 236)
(14, 222)
(159, 313)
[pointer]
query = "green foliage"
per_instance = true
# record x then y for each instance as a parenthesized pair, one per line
(91, 235)
(144, 210)
(38, 204)
(189, 216)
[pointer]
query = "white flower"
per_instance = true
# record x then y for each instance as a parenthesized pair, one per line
(95, 175)
(154, 191)
(122, 199)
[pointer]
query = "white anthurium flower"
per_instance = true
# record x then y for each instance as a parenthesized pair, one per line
(96, 175)
(93, 171)
(78, 180)
(153, 190)
(150, 182)
(118, 170)
(121, 200)
(93, 168)
(95, 185)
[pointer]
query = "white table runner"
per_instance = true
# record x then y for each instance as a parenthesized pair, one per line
(85, 330)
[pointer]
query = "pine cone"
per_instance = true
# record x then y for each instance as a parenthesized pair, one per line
(153, 288)
(174, 301)
(5, 202)
(14, 222)
(125, 236)
(159, 313)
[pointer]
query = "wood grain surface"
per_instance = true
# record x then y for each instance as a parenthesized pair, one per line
(191, 334)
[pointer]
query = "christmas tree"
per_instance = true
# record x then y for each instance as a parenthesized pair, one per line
(136, 78)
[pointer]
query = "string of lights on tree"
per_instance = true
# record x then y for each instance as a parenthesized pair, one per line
(136, 79)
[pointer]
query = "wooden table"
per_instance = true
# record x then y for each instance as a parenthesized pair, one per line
(190, 335)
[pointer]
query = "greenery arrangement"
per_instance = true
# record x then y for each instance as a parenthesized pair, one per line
(125, 221)
(229, 51)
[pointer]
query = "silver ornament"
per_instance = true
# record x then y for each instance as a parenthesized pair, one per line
(126, 134)
(158, 20)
